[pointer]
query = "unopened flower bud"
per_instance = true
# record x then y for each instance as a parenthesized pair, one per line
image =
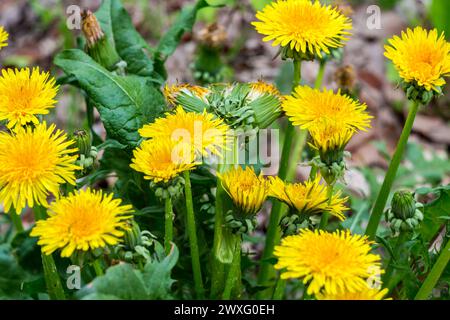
(213, 35)
(345, 77)
(98, 45)
(84, 143)
(132, 235)
(404, 214)
(403, 205)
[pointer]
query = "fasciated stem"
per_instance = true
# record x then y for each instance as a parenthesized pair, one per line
(218, 268)
(273, 232)
(234, 271)
(192, 232)
(317, 85)
(435, 273)
(383, 195)
(52, 279)
(325, 216)
(168, 224)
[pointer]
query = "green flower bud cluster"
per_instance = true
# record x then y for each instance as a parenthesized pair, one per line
(173, 189)
(132, 236)
(331, 170)
(288, 53)
(240, 224)
(137, 246)
(404, 214)
(87, 153)
(233, 108)
(417, 93)
(293, 222)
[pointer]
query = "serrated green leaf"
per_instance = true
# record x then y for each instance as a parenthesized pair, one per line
(126, 283)
(157, 276)
(121, 281)
(129, 44)
(434, 211)
(125, 103)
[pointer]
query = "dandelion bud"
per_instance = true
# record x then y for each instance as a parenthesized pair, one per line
(213, 35)
(98, 45)
(83, 140)
(91, 29)
(132, 236)
(403, 205)
(345, 77)
(404, 214)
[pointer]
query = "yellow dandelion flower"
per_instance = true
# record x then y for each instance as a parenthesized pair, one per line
(364, 294)
(303, 26)
(308, 107)
(309, 197)
(207, 134)
(25, 94)
(330, 137)
(421, 57)
(82, 221)
(171, 92)
(3, 37)
(162, 159)
(247, 190)
(33, 164)
(332, 262)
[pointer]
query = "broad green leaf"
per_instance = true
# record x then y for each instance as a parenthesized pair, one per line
(126, 283)
(440, 15)
(125, 103)
(434, 211)
(129, 44)
(122, 282)
(12, 276)
(170, 40)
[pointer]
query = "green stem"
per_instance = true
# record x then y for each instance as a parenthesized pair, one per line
(297, 150)
(317, 85)
(52, 280)
(273, 232)
(168, 225)
(326, 215)
(16, 220)
(391, 173)
(320, 75)
(434, 275)
(297, 74)
(233, 273)
(98, 268)
(278, 293)
(192, 231)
